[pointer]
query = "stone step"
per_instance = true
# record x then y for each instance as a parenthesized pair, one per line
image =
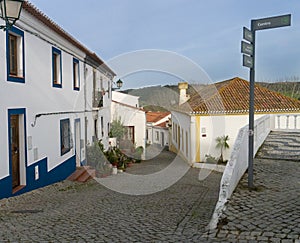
(281, 145)
(88, 174)
(82, 174)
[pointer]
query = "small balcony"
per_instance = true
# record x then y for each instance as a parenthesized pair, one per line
(98, 99)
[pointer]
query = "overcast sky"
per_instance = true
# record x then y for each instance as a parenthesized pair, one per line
(206, 32)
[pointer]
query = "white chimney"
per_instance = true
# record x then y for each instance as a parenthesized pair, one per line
(183, 97)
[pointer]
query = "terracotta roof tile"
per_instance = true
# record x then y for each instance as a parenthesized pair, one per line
(156, 116)
(232, 96)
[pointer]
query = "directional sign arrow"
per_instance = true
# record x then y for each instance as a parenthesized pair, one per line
(247, 61)
(247, 34)
(247, 48)
(272, 22)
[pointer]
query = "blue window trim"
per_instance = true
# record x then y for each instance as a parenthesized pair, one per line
(61, 137)
(58, 52)
(20, 111)
(78, 75)
(19, 33)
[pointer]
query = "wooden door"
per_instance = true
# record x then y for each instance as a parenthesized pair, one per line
(15, 150)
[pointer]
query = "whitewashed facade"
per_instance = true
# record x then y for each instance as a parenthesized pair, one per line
(157, 132)
(126, 107)
(46, 101)
(193, 134)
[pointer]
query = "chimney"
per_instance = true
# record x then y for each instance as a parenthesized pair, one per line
(183, 97)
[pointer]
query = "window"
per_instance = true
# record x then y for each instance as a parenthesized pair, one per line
(76, 76)
(157, 136)
(15, 55)
(56, 68)
(129, 134)
(102, 126)
(65, 136)
(96, 128)
(186, 143)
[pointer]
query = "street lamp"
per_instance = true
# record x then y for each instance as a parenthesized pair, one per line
(10, 11)
(119, 83)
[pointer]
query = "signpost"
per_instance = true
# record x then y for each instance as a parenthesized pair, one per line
(248, 50)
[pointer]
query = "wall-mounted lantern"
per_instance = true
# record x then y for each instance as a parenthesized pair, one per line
(10, 11)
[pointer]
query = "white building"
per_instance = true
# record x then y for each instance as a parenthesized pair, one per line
(48, 83)
(158, 128)
(222, 109)
(126, 107)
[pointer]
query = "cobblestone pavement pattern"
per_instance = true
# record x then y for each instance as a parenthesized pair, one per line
(74, 212)
(271, 213)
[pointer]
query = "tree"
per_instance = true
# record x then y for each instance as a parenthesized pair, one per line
(117, 129)
(222, 144)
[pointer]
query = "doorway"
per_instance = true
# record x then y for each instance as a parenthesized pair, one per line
(17, 147)
(77, 142)
(15, 150)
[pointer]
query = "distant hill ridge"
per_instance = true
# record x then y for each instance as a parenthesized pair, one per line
(162, 98)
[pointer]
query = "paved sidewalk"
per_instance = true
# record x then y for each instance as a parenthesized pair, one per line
(269, 214)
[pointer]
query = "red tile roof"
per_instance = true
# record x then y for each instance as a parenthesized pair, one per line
(163, 124)
(232, 96)
(156, 116)
(31, 9)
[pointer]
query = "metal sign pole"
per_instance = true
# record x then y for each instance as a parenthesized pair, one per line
(249, 61)
(251, 114)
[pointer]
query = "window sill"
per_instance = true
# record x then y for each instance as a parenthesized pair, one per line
(16, 79)
(57, 85)
(63, 152)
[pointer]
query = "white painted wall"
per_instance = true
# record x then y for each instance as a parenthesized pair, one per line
(210, 128)
(38, 96)
(103, 82)
(216, 126)
(182, 142)
(157, 136)
(131, 116)
(151, 126)
(127, 99)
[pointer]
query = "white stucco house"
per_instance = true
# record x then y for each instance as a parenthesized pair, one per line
(157, 132)
(222, 109)
(52, 104)
(126, 108)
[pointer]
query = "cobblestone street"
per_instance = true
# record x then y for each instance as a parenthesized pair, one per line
(89, 212)
(269, 214)
(74, 212)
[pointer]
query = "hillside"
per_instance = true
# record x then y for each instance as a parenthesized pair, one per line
(290, 89)
(162, 98)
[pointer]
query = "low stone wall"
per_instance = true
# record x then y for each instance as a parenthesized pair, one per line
(238, 163)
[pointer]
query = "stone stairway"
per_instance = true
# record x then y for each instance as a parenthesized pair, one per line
(281, 145)
(82, 174)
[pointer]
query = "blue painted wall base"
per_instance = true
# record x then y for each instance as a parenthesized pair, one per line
(57, 174)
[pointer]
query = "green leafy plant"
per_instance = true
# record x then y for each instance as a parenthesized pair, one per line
(117, 129)
(222, 144)
(138, 154)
